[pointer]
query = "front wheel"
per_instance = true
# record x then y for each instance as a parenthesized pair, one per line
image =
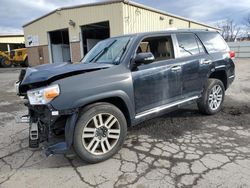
(100, 132)
(212, 98)
(5, 62)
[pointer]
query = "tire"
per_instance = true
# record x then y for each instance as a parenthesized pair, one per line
(99, 142)
(25, 63)
(206, 103)
(5, 62)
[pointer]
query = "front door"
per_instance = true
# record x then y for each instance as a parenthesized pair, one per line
(157, 83)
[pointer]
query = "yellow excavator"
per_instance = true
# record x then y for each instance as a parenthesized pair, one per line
(5, 59)
(19, 57)
(14, 57)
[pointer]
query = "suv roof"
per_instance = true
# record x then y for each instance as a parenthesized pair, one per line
(170, 32)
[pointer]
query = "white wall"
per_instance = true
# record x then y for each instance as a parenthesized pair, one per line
(241, 49)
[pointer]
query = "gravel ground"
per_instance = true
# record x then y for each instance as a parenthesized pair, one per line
(180, 149)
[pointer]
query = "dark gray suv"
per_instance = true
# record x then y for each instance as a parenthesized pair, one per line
(121, 82)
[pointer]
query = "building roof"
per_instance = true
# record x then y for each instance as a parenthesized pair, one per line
(125, 2)
(11, 35)
(11, 38)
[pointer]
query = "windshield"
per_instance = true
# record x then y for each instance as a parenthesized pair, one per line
(107, 51)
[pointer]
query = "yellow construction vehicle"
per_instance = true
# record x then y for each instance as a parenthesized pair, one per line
(5, 59)
(19, 57)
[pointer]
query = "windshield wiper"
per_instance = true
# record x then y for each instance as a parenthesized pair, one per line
(103, 51)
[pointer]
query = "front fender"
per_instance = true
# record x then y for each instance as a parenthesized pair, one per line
(106, 95)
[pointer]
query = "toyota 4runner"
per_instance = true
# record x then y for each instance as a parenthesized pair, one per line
(121, 82)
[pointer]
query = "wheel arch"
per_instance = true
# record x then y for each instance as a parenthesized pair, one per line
(118, 99)
(220, 75)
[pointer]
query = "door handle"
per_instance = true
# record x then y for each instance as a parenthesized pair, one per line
(205, 62)
(176, 68)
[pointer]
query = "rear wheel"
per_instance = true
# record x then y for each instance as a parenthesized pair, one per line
(100, 132)
(6, 62)
(212, 97)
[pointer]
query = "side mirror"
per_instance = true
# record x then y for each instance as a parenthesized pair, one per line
(144, 58)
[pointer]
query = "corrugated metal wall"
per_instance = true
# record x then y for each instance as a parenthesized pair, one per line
(81, 16)
(197, 26)
(137, 19)
(242, 49)
(124, 18)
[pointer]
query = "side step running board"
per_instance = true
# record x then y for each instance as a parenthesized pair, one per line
(163, 107)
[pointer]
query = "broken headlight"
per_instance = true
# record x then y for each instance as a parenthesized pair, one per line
(43, 95)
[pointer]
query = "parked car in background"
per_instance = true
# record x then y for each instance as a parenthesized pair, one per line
(121, 82)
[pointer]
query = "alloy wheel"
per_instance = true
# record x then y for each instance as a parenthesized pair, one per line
(101, 134)
(215, 97)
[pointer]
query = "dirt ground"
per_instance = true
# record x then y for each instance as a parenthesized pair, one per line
(180, 149)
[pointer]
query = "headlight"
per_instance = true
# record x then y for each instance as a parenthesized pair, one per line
(43, 95)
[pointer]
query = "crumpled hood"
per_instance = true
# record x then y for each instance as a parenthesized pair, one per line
(56, 71)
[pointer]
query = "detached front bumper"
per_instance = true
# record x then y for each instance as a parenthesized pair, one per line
(46, 124)
(44, 121)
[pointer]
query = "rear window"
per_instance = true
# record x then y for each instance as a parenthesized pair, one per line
(213, 42)
(188, 44)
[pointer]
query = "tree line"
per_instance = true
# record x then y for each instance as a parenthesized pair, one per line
(232, 31)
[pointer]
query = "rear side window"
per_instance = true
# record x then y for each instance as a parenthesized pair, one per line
(213, 42)
(188, 44)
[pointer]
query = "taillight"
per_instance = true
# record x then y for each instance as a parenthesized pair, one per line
(232, 54)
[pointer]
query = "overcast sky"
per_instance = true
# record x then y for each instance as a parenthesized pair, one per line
(15, 13)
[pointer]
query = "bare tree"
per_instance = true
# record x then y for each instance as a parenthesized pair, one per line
(229, 30)
(247, 21)
(247, 24)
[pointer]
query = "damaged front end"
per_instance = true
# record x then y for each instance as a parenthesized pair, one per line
(37, 86)
(54, 127)
(46, 124)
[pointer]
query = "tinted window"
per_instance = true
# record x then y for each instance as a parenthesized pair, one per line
(160, 47)
(187, 44)
(213, 42)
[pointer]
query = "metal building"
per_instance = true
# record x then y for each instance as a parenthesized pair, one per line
(66, 34)
(10, 42)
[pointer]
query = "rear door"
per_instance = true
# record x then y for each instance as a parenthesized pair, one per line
(157, 83)
(195, 64)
